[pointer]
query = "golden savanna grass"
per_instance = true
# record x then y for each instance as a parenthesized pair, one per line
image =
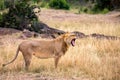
(90, 59)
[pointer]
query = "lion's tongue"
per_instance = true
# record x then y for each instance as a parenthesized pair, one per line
(73, 42)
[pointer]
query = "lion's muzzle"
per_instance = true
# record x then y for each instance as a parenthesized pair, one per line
(73, 42)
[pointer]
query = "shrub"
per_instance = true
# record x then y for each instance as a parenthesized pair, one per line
(59, 4)
(83, 10)
(105, 10)
(43, 4)
(18, 17)
(93, 10)
(1, 18)
(101, 4)
(2, 6)
(96, 9)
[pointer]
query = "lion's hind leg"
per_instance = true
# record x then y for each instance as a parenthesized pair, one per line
(27, 58)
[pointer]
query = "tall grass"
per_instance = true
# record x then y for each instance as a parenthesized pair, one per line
(95, 59)
(90, 59)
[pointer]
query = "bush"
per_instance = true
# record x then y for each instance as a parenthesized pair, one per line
(59, 4)
(1, 18)
(44, 4)
(101, 4)
(84, 10)
(93, 10)
(105, 10)
(97, 9)
(18, 17)
(2, 6)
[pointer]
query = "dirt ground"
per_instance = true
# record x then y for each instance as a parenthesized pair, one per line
(61, 16)
(36, 76)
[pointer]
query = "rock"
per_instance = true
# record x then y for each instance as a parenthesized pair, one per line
(47, 32)
(102, 36)
(7, 31)
(28, 34)
(80, 34)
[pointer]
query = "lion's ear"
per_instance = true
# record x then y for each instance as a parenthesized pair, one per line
(66, 34)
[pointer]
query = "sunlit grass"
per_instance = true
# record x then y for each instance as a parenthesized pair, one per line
(88, 27)
(90, 59)
(96, 59)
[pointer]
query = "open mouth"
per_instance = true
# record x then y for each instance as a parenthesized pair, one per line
(73, 42)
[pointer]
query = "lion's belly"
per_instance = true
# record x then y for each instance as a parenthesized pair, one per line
(44, 54)
(43, 51)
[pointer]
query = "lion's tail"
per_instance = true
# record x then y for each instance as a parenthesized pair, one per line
(13, 59)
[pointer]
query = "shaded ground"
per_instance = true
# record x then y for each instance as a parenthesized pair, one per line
(59, 15)
(36, 76)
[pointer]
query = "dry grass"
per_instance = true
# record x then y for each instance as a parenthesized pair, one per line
(94, 59)
(90, 59)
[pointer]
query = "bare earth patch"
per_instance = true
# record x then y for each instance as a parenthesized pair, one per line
(60, 15)
(31, 76)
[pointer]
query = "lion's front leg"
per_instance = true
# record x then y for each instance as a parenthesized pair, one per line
(57, 58)
(56, 61)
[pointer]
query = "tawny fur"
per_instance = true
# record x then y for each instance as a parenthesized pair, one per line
(44, 48)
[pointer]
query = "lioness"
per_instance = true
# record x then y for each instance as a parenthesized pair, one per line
(54, 48)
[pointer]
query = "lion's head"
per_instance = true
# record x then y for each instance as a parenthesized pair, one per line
(69, 39)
